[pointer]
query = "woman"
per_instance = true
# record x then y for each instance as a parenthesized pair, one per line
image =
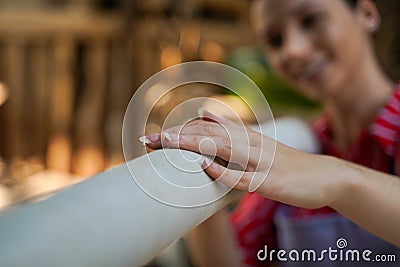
(324, 48)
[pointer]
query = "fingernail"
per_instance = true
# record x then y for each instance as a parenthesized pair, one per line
(207, 163)
(200, 112)
(167, 136)
(171, 136)
(144, 140)
(149, 139)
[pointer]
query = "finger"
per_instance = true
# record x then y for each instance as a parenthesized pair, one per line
(208, 145)
(231, 178)
(206, 129)
(154, 141)
(200, 127)
(209, 129)
(150, 139)
(212, 124)
(205, 114)
(238, 151)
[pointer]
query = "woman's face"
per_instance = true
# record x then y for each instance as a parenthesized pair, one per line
(317, 45)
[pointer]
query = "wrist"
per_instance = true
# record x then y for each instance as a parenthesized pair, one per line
(346, 178)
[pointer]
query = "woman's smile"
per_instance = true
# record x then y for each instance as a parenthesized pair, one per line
(311, 72)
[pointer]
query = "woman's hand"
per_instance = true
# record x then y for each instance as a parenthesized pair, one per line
(254, 162)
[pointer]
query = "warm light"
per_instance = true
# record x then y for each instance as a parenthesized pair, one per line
(229, 106)
(3, 93)
(59, 153)
(46, 182)
(156, 95)
(5, 196)
(170, 55)
(88, 161)
(189, 41)
(212, 51)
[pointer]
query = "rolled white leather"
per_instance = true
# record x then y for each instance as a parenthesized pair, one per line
(104, 221)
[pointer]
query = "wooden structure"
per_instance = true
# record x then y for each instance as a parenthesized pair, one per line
(72, 70)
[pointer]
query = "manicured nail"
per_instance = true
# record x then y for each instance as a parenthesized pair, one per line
(200, 112)
(204, 113)
(207, 163)
(149, 139)
(171, 136)
(167, 136)
(144, 140)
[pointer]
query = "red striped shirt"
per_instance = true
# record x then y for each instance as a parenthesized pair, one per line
(376, 147)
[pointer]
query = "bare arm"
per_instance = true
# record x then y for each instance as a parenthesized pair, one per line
(370, 199)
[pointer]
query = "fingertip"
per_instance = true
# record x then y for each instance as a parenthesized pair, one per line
(154, 145)
(255, 183)
(200, 112)
(207, 115)
(167, 136)
(208, 165)
(144, 140)
(153, 141)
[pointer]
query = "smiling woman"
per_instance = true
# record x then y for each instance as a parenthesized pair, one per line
(319, 46)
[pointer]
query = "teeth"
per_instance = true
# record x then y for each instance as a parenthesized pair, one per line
(308, 71)
(311, 69)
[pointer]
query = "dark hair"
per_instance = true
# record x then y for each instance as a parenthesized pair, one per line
(352, 3)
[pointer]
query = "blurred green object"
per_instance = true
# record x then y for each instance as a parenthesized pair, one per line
(281, 97)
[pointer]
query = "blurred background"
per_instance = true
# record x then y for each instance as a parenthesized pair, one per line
(69, 67)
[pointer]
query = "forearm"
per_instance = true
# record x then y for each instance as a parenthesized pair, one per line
(369, 198)
(212, 243)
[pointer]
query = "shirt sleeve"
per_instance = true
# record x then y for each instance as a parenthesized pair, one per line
(395, 168)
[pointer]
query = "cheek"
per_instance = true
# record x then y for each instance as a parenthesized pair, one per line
(344, 45)
(276, 65)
